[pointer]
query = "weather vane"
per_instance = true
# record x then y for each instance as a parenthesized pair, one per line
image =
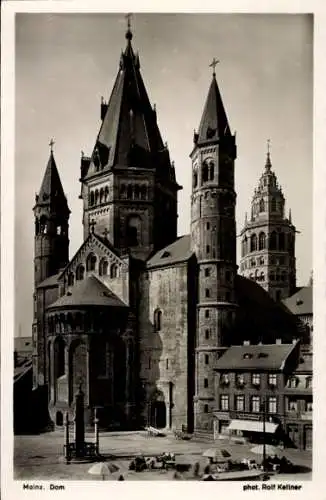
(51, 144)
(213, 64)
(128, 17)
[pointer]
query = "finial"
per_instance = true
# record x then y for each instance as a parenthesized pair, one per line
(268, 159)
(213, 65)
(51, 144)
(128, 33)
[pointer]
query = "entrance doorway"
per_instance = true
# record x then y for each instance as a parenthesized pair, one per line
(158, 414)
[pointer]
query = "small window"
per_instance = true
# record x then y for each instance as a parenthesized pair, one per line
(113, 271)
(224, 402)
(207, 313)
(293, 382)
(309, 406)
(208, 226)
(225, 379)
(255, 404)
(308, 382)
(272, 379)
(206, 334)
(206, 359)
(239, 402)
(255, 379)
(167, 364)
(207, 292)
(208, 249)
(157, 320)
(272, 404)
(205, 383)
(207, 272)
(205, 408)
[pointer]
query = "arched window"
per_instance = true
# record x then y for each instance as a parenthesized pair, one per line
(59, 356)
(157, 320)
(113, 271)
(261, 206)
(272, 241)
(211, 170)
(143, 192)
(70, 279)
(78, 321)
(133, 231)
(96, 197)
(281, 241)
(262, 241)
(91, 198)
(123, 191)
(91, 262)
(204, 174)
(101, 195)
(253, 243)
(195, 179)
(80, 272)
(129, 191)
(37, 226)
(273, 205)
(137, 192)
(106, 194)
(103, 268)
(262, 276)
(43, 225)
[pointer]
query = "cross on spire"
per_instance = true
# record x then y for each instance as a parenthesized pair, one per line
(51, 144)
(268, 146)
(92, 225)
(128, 34)
(213, 65)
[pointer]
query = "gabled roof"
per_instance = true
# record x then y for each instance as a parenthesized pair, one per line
(51, 192)
(92, 235)
(129, 135)
(301, 302)
(214, 123)
(52, 281)
(88, 292)
(255, 357)
(177, 252)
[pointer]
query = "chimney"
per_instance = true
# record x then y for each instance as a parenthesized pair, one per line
(246, 342)
(278, 341)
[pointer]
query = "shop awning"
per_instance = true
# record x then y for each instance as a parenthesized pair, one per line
(252, 426)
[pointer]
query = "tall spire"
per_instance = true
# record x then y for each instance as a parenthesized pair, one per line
(268, 164)
(51, 191)
(214, 123)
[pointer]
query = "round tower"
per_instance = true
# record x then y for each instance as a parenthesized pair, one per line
(268, 239)
(213, 240)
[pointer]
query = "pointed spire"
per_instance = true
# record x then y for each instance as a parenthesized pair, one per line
(214, 123)
(268, 164)
(51, 190)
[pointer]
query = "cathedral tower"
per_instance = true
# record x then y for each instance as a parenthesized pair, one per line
(51, 251)
(129, 190)
(213, 239)
(268, 239)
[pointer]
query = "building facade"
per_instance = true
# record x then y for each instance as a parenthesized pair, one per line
(138, 317)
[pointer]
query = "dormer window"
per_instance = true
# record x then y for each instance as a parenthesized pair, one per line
(247, 355)
(225, 379)
(240, 381)
(293, 382)
(165, 255)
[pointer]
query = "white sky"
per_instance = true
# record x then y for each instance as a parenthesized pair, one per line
(64, 63)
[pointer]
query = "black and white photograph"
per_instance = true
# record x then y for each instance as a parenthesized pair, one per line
(163, 249)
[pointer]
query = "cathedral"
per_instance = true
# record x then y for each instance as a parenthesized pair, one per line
(139, 316)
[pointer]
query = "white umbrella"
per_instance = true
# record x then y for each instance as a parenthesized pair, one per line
(269, 450)
(217, 455)
(103, 469)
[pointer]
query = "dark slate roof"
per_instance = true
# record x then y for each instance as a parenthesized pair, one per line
(300, 302)
(51, 191)
(50, 282)
(255, 357)
(88, 292)
(214, 123)
(177, 252)
(22, 369)
(260, 318)
(305, 364)
(23, 344)
(129, 135)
